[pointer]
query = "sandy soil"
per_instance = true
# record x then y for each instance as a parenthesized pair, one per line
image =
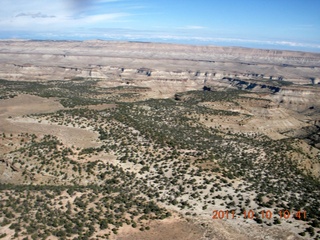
(12, 121)
(186, 229)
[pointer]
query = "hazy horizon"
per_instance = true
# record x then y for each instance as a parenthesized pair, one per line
(281, 25)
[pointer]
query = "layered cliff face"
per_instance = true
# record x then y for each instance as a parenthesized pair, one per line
(56, 60)
(167, 69)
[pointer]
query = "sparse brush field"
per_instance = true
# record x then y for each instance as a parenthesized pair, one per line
(190, 154)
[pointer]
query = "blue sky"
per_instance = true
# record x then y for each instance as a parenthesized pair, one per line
(276, 24)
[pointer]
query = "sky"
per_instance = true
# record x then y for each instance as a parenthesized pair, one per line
(273, 24)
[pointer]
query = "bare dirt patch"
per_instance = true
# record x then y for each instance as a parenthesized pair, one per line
(173, 228)
(12, 120)
(28, 104)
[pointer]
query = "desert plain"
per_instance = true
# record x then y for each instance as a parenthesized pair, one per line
(137, 140)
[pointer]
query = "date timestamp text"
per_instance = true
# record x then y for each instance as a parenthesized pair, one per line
(264, 214)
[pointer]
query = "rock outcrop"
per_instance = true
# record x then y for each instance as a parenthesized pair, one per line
(54, 60)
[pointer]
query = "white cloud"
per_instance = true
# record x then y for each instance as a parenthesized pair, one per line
(101, 18)
(193, 27)
(130, 35)
(93, 19)
(49, 15)
(35, 15)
